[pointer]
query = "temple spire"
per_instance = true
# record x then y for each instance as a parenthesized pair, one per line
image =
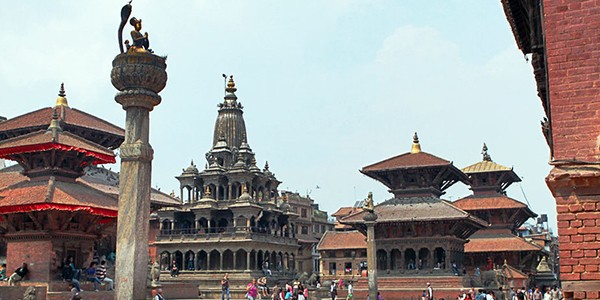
(230, 97)
(54, 127)
(62, 97)
(416, 147)
(486, 156)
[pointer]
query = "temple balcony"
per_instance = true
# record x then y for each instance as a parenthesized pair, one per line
(225, 234)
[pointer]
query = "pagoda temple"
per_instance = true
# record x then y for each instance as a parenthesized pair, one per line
(417, 232)
(56, 201)
(46, 213)
(234, 219)
(498, 245)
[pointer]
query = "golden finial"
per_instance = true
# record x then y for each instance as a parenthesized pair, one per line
(244, 188)
(207, 191)
(416, 147)
(486, 156)
(62, 97)
(230, 83)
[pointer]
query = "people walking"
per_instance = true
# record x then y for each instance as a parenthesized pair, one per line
(252, 290)
(225, 287)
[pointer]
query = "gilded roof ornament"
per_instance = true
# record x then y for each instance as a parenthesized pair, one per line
(416, 147)
(486, 156)
(62, 97)
(368, 206)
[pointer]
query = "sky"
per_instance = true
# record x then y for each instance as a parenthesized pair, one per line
(328, 87)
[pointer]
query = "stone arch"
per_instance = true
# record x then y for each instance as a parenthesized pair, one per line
(424, 258)
(260, 258)
(241, 257)
(165, 260)
(215, 260)
(189, 261)
(177, 259)
(395, 258)
(183, 227)
(227, 260)
(439, 256)
(410, 259)
(274, 263)
(381, 259)
(201, 260)
(253, 263)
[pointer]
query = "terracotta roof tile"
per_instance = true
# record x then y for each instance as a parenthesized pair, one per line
(12, 145)
(514, 273)
(42, 118)
(342, 211)
(407, 160)
(485, 166)
(491, 202)
(59, 192)
(416, 209)
(333, 240)
(500, 244)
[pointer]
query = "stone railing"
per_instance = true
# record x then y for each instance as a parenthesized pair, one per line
(224, 233)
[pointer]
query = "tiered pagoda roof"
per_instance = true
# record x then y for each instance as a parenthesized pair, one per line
(417, 179)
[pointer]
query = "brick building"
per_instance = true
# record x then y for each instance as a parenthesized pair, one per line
(563, 38)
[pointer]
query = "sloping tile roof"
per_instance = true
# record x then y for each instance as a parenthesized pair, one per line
(16, 144)
(499, 244)
(491, 202)
(485, 166)
(513, 273)
(27, 193)
(407, 160)
(333, 240)
(342, 211)
(415, 209)
(101, 179)
(72, 116)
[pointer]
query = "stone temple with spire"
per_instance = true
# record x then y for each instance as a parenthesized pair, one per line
(233, 218)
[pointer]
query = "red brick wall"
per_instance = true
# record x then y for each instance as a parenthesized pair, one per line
(37, 255)
(573, 41)
(572, 30)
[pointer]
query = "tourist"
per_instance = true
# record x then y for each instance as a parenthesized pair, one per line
(429, 295)
(501, 294)
(91, 276)
(548, 294)
(556, 293)
(462, 295)
(537, 294)
(305, 291)
(454, 268)
(477, 272)
(225, 287)
(262, 286)
(69, 273)
(252, 290)
(101, 274)
(159, 295)
(276, 295)
(350, 290)
(379, 297)
(3, 272)
(174, 270)
(333, 290)
(74, 291)
(18, 275)
(411, 264)
(512, 294)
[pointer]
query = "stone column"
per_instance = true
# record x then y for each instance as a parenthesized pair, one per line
(370, 220)
(248, 261)
(139, 77)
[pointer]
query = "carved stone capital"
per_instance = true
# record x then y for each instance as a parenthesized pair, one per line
(138, 97)
(137, 151)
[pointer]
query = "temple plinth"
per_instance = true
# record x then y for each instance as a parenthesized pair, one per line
(139, 77)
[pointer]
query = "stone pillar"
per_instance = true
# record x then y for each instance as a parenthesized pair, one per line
(370, 220)
(208, 261)
(248, 261)
(139, 77)
(229, 195)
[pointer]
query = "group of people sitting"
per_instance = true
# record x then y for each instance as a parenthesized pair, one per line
(94, 273)
(15, 277)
